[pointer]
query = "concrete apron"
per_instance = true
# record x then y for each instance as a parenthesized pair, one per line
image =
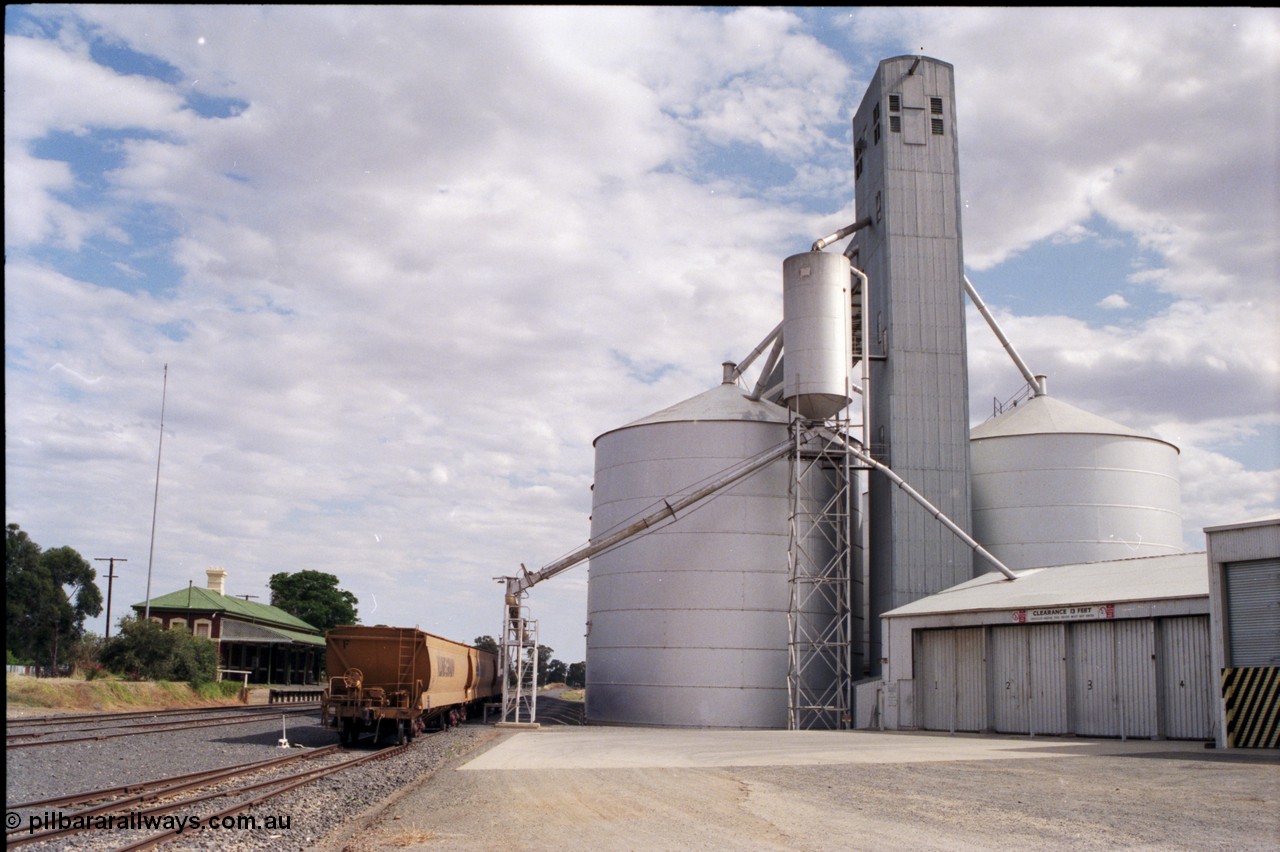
(671, 748)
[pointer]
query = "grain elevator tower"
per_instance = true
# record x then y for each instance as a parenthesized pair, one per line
(906, 167)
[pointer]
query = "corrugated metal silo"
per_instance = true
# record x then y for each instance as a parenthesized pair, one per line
(687, 624)
(1054, 485)
(817, 332)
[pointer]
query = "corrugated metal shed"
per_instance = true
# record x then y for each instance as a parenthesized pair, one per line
(1114, 649)
(1244, 590)
(1182, 575)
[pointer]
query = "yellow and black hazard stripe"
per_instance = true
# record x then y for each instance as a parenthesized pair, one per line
(1252, 699)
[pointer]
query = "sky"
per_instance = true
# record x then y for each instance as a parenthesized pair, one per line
(389, 271)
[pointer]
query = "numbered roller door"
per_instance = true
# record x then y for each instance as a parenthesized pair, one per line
(1029, 679)
(1187, 689)
(1113, 678)
(1011, 678)
(1093, 679)
(951, 681)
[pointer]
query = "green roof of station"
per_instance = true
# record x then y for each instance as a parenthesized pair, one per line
(197, 599)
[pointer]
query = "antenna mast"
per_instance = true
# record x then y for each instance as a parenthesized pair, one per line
(164, 393)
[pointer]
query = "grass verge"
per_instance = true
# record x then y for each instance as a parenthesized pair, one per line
(64, 693)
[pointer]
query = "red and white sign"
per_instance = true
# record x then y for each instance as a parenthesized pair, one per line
(1065, 613)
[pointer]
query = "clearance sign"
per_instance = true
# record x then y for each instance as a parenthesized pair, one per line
(1065, 613)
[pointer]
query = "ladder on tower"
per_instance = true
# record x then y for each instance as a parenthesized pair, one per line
(856, 300)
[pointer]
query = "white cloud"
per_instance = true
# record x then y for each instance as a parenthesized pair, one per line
(1114, 302)
(442, 249)
(1133, 115)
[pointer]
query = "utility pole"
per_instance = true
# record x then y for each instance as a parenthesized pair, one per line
(111, 575)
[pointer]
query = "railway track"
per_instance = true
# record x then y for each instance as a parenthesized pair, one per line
(276, 788)
(34, 739)
(127, 798)
(116, 799)
(109, 718)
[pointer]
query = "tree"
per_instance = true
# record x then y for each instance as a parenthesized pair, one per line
(143, 649)
(314, 597)
(576, 676)
(48, 596)
(557, 671)
(544, 659)
(487, 643)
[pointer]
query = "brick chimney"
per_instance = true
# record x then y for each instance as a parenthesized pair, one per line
(217, 580)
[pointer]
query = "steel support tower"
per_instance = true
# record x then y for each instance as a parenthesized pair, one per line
(519, 663)
(821, 561)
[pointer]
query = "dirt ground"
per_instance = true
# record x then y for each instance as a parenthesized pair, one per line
(1057, 795)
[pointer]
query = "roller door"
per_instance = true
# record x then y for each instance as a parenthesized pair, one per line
(936, 678)
(1142, 678)
(1028, 691)
(1253, 610)
(951, 679)
(1187, 689)
(1112, 678)
(1011, 675)
(1049, 679)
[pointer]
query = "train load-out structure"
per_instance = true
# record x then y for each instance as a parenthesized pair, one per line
(752, 547)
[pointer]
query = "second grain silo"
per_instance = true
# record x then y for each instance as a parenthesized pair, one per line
(687, 624)
(1055, 485)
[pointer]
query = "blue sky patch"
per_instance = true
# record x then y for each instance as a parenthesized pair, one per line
(211, 106)
(645, 373)
(1079, 278)
(92, 156)
(145, 266)
(124, 60)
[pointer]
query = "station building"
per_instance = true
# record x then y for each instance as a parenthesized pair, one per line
(256, 642)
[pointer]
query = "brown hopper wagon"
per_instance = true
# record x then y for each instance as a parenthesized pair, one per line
(397, 681)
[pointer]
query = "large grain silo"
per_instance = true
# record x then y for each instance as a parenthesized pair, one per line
(687, 624)
(1054, 485)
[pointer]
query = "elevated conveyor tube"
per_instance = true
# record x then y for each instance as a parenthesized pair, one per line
(1037, 382)
(929, 507)
(735, 474)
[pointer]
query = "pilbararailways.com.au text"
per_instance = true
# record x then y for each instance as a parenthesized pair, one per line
(132, 821)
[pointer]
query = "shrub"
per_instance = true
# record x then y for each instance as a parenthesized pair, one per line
(144, 650)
